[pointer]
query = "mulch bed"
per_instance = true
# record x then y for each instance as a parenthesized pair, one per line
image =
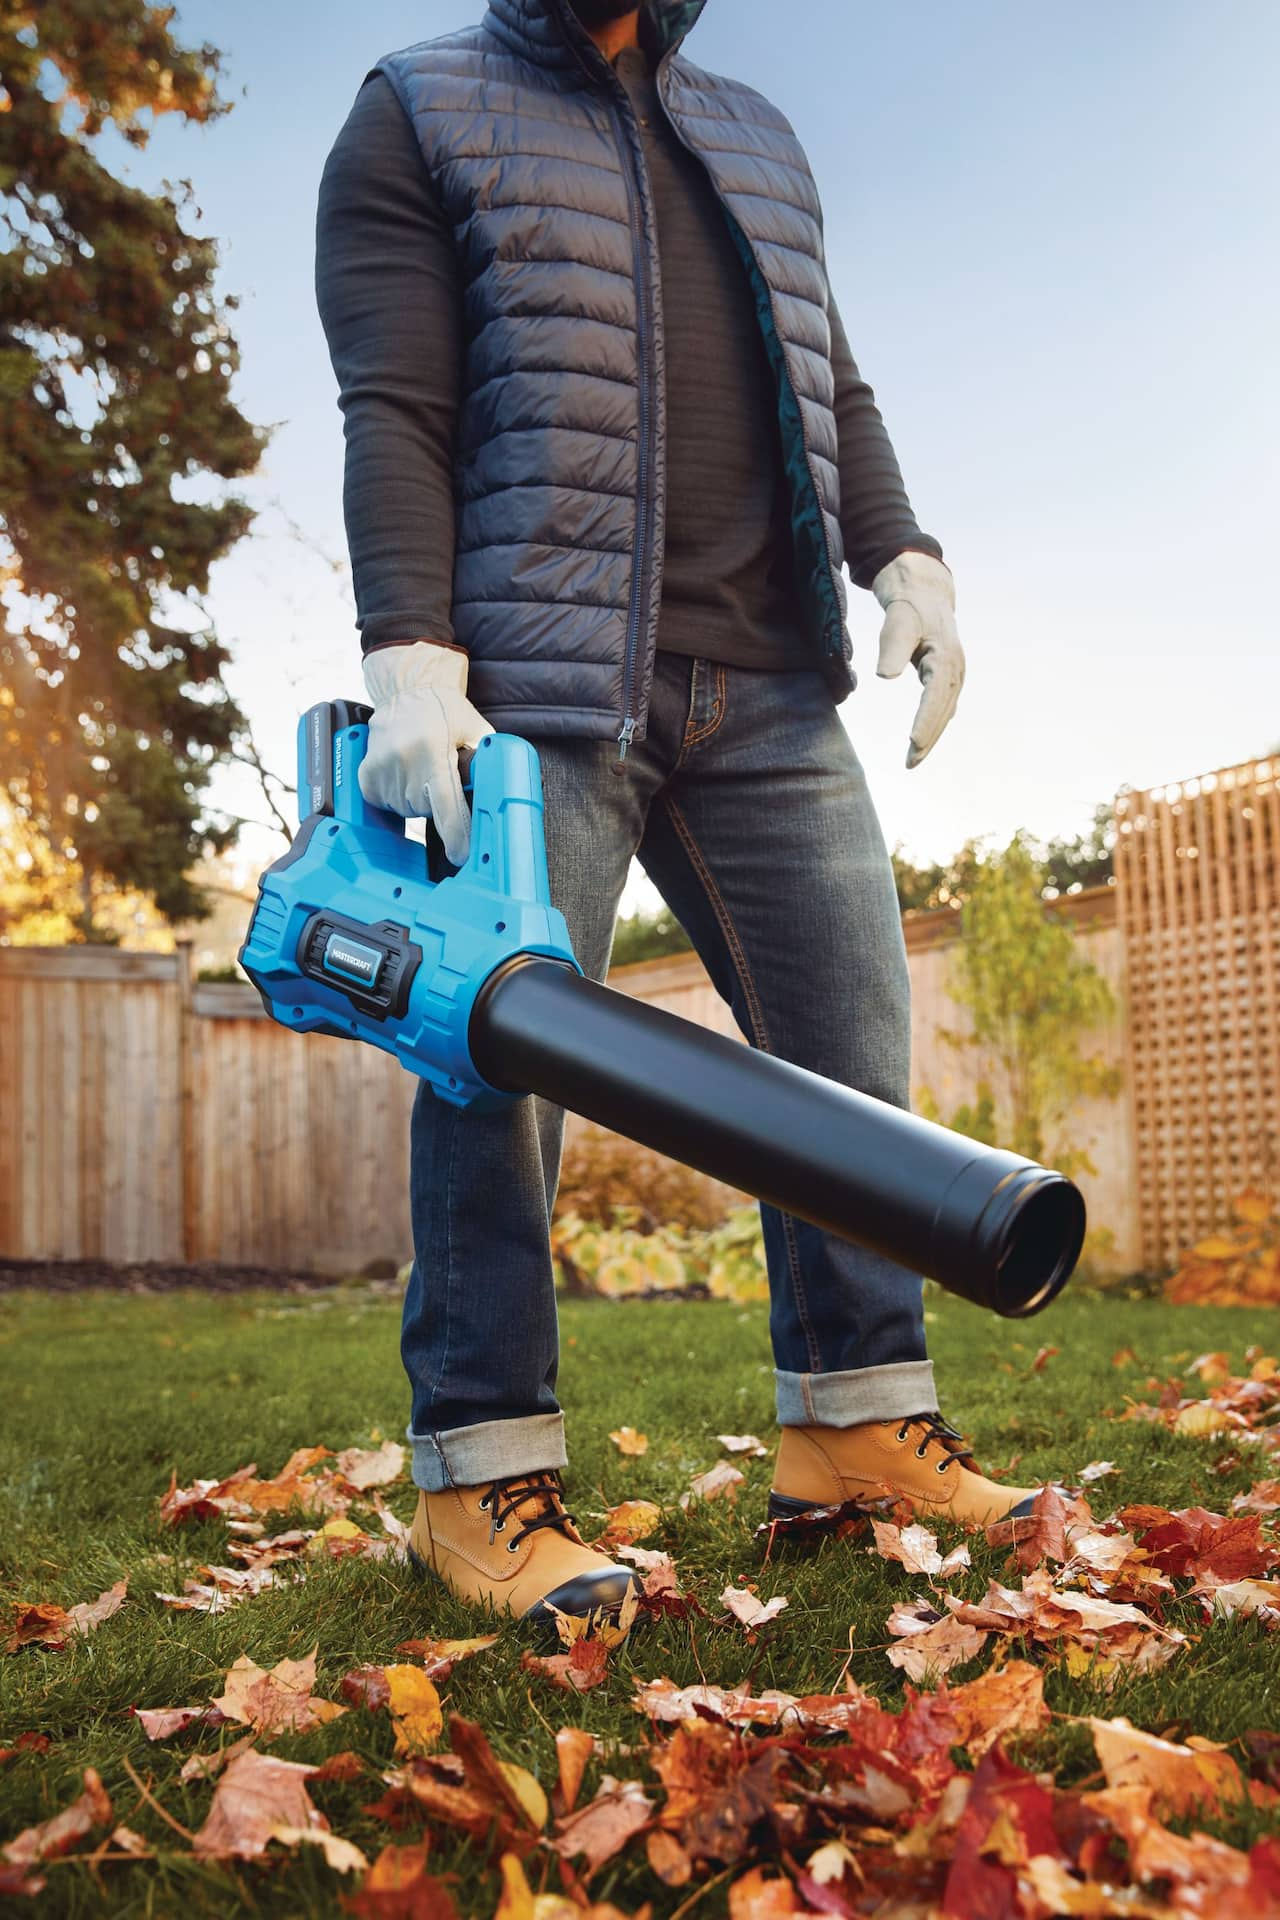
(154, 1276)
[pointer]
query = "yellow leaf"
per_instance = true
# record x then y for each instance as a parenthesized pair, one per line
(1200, 1418)
(516, 1899)
(1216, 1247)
(415, 1709)
(1253, 1207)
(527, 1792)
(629, 1442)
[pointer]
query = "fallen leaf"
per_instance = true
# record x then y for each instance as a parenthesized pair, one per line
(574, 1747)
(742, 1443)
(161, 1723)
(367, 1687)
(26, 1743)
(398, 1887)
(127, 1841)
(1009, 1699)
(415, 1709)
(629, 1442)
(1043, 1533)
(60, 1834)
(759, 1896)
(584, 1666)
(207, 1766)
(749, 1610)
(1181, 1779)
(611, 1632)
(363, 1468)
(1097, 1470)
(915, 1548)
(439, 1657)
(1042, 1359)
(277, 1701)
(91, 1613)
(604, 1826)
(339, 1854)
(629, 1521)
(929, 1643)
(668, 1859)
(719, 1482)
(256, 1794)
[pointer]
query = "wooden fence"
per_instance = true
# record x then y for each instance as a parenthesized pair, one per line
(144, 1116)
(1198, 872)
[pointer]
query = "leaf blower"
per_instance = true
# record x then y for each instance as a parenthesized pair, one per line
(470, 981)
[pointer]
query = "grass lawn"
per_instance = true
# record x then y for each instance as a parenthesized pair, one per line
(101, 1395)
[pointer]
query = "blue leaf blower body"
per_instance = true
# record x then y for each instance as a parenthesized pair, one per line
(348, 936)
(470, 980)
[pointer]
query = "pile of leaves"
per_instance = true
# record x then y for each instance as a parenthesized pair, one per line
(1239, 1266)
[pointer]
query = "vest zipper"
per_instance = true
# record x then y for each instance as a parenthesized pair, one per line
(630, 169)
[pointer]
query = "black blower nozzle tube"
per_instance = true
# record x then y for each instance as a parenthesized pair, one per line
(985, 1224)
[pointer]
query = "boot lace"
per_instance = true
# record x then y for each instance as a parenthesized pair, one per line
(935, 1428)
(505, 1497)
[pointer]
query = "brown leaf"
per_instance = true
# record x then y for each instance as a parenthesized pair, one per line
(60, 1834)
(1181, 1779)
(207, 1766)
(1009, 1699)
(366, 1686)
(25, 1743)
(604, 1826)
(668, 1858)
(584, 1666)
(630, 1443)
(345, 1766)
(256, 1794)
(1198, 1544)
(42, 1624)
(574, 1747)
(930, 1643)
(439, 1657)
(398, 1887)
(742, 1443)
(629, 1521)
(161, 1723)
(915, 1548)
(91, 1613)
(719, 1482)
(278, 1701)
(1043, 1533)
(759, 1896)
(1042, 1359)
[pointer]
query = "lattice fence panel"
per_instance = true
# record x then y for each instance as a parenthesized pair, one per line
(1198, 886)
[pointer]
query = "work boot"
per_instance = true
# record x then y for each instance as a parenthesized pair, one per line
(511, 1544)
(918, 1458)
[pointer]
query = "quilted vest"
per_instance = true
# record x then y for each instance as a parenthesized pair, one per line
(532, 145)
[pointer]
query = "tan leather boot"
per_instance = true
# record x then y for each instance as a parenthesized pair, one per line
(920, 1459)
(511, 1545)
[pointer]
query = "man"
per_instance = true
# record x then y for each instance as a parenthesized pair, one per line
(606, 449)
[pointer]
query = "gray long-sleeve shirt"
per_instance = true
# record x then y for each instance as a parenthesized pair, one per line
(389, 292)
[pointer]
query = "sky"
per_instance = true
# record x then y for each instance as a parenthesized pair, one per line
(1053, 236)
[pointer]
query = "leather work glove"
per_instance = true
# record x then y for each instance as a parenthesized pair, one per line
(918, 595)
(421, 717)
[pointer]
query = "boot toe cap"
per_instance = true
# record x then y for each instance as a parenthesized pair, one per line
(601, 1591)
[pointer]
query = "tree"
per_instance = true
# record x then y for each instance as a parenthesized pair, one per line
(648, 935)
(1084, 860)
(115, 369)
(1031, 996)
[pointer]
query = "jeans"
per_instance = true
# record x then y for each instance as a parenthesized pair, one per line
(748, 809)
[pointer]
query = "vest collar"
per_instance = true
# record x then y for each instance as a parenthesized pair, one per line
(547, 32)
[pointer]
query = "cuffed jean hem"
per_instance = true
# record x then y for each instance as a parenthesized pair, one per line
(849, 1399)
(471, 1456)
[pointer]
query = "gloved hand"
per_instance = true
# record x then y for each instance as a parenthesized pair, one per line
(421, 716)
(919, 597)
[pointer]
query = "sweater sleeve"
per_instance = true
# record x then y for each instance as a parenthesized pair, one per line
(876, 520)
(387, 288)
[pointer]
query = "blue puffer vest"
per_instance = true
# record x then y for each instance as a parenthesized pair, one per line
(533, 147)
